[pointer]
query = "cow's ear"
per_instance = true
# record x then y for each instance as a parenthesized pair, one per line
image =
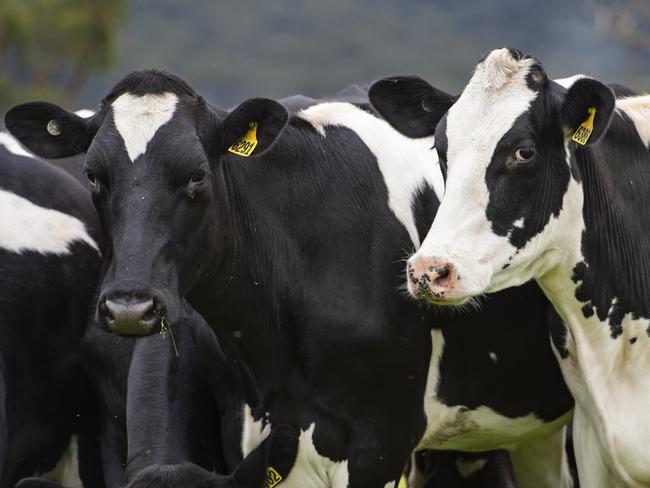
(586, 110)
(410, 104)
(271, 461)
(252, 127)
(50, 131)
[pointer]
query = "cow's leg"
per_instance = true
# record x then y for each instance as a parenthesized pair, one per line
(542, 462)
(592, 469)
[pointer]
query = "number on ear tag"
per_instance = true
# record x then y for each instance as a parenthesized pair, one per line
(273, 478)
(246, 145)
(581, 135)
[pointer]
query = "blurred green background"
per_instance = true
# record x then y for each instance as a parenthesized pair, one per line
(73, 51)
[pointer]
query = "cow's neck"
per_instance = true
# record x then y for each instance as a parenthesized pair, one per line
(602, 291)
(245, 300)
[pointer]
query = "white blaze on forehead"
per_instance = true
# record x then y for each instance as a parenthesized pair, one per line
(496, 95)
(25, 226)
(138, 118)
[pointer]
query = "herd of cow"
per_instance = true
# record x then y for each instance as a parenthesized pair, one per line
(305, 292)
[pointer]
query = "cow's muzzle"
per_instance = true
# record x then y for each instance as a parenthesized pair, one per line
(431, 279)
(129, 315)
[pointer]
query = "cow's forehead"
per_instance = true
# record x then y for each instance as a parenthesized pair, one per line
(497, 94)
(138, 118)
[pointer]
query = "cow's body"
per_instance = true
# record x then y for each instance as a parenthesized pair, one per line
(49, 263)
(173, 417)
(560, 192)
(299, 275)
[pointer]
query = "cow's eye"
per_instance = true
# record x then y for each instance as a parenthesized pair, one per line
(91, 178)
(524, 153)
(198, 176)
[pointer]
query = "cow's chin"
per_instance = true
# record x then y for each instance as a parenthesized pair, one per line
(450, 302)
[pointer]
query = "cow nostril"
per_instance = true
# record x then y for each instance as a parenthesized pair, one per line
(442, 272)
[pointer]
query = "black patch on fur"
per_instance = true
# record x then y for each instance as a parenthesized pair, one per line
(424, 202)
(440, 143)
(615, 246)
(517, 339)
(531, 190)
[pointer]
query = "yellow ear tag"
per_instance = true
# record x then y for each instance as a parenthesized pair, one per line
(581, 135)
(245, 145)
(273, 478)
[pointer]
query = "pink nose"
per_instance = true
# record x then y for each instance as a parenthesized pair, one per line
(430, 278)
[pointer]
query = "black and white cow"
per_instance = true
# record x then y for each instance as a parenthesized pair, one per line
(155, 407)
(49, 263)
(553, 184)
(287, 236)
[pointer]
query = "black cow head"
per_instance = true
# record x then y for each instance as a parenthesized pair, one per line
(509, 202)
(154, 153)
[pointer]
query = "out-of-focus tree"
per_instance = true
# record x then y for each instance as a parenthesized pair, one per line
(49, 47)
(625, 21)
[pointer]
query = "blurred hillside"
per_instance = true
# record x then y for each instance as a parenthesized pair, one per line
(233, 50)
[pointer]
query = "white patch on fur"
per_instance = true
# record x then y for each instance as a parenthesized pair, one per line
(609, 380)
(66, 471)
(493, 357)
(457, 428)
(470, 468)
(25, 226)
(519, 223)
(569, 81)
(254, 432)
(638, 109)
(310, 469)
(138, 118)
(406, 164)
(553, 472)
(12, 145)
(85, 113)
(314, 470)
